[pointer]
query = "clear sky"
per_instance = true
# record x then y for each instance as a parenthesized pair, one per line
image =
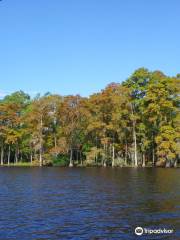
(79, 46)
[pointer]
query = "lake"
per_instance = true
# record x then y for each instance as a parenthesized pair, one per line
(88, 203)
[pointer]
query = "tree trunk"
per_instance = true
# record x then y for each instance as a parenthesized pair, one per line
(55, 144)
(31, 157)
(71, 158)
(134, 139)
(81, 158)
(9, 154)
(2, 155)
(153, 156)
(16, 155)
(40, 151)
(104, 160)
(16, 159)
(168, 163)
(40, 157)
(77, 156)
(126, 154)
(113, 156)
(175, 163)
(144, 160)
(135, 144)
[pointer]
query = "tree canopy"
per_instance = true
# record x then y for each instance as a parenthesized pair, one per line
(135, 123)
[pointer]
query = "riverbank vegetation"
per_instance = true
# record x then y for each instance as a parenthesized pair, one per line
(135, 123)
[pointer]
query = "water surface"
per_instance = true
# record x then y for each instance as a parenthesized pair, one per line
(87, 203)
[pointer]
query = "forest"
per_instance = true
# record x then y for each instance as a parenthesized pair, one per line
(134, 123)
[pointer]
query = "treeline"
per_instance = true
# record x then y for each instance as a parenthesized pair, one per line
(135, 123)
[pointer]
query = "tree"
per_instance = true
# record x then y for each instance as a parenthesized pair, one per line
(160, 110)
(137, 83)
(12, 109)
(73, 119)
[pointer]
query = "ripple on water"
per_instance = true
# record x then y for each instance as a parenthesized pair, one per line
(94, 203)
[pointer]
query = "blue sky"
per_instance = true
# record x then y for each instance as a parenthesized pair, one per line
(79, 46)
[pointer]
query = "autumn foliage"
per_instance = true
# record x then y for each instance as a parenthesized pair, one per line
(135, 123)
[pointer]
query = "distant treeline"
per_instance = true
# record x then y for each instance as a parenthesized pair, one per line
(135, 123)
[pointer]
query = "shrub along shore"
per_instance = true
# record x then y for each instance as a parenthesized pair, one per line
(129, 124)
(60, 165)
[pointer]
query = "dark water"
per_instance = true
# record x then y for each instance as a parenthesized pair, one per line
(92, 203)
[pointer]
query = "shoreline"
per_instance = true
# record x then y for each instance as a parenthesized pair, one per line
(80, 166)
